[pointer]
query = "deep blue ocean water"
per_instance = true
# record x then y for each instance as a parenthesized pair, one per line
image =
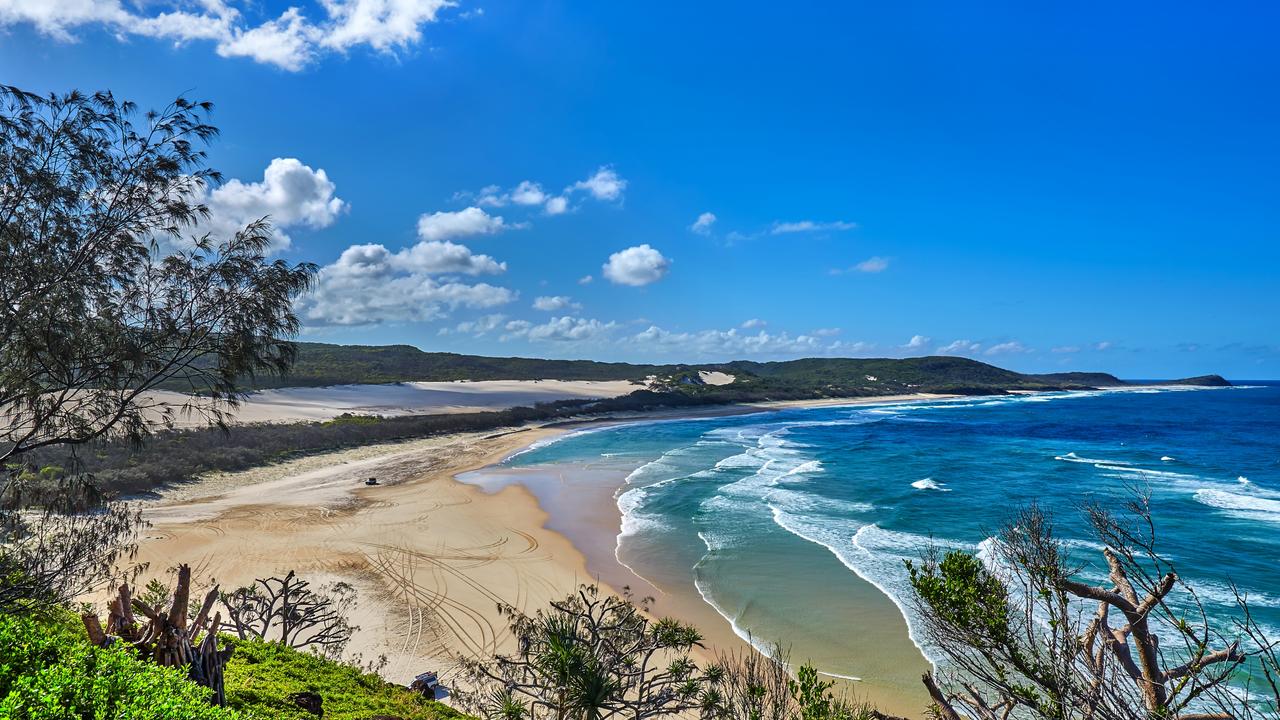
(759, 509)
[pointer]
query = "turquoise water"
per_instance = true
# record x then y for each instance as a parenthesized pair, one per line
(768, 514)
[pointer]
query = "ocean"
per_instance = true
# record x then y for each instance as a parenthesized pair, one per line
(782, 520)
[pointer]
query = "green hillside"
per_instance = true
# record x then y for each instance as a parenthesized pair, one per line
(320, 364)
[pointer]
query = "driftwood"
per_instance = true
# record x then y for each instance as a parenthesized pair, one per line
(167, 638)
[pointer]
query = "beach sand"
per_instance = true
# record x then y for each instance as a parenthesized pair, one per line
(432, 557)
(296, 404)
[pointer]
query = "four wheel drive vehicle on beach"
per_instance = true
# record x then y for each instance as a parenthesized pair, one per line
(426, 683)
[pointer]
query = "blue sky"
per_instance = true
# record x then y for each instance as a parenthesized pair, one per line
(1087, 187)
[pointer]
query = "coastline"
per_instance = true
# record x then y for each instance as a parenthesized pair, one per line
(432, 556)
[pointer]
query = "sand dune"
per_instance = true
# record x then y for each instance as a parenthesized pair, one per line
(416, 398)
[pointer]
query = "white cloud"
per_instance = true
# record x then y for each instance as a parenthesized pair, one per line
(478, 327)
(557, 205)
(287, 42)
(873, 265)
(471, 221)
(703, 224)
(917, 342)
(799, 226)
(528, 193)
(585, 280)
(1104, 345)
(369, 284)
(827, 332)
(605, 184)
(291, 193)
(960, 347)
(636, 266)
(380, 24)
(1066, 349)
(870, 265)
(728, 344)
(555, 303)
(753, 323)
(1005, 348)
(560, 329)
(438, 257)
(290, 41)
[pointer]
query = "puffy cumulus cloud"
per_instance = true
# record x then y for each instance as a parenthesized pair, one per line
(369, 284)
(636, 266)
(557, 206)
(960, 347)
(917, 342)
(564, 329)
(289, 41)
(604, 184)
(381, 24)
(703, 224)
(1008, 348)
(528, 193)
(460, 223)
(291, 193)
(555, 303)
(800, 226)
(437, 257)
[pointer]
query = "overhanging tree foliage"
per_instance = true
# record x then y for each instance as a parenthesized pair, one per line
(1024, 636)
(102, 298)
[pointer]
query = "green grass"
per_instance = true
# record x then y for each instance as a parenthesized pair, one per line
(261, 676)
(49, 671)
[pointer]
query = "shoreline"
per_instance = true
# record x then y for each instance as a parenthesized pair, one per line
(430, 555)
(882, 629)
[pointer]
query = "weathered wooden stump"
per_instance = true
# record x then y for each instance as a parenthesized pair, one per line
(168, 639)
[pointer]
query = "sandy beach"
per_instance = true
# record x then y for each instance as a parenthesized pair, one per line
(298, 404)
(430, 556)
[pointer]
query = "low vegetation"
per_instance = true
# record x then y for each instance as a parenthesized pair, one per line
(263, 676)
(595, 656)
(1023, 636)
(50, 671)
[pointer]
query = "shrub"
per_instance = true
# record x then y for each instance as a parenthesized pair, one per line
(49, 671)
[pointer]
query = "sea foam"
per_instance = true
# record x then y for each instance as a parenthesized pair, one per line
(929, 484)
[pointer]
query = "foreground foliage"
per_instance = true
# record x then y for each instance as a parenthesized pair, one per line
(49, 671)
(594, 656)
(262, 676)
(591, 656)
(1024, 636)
